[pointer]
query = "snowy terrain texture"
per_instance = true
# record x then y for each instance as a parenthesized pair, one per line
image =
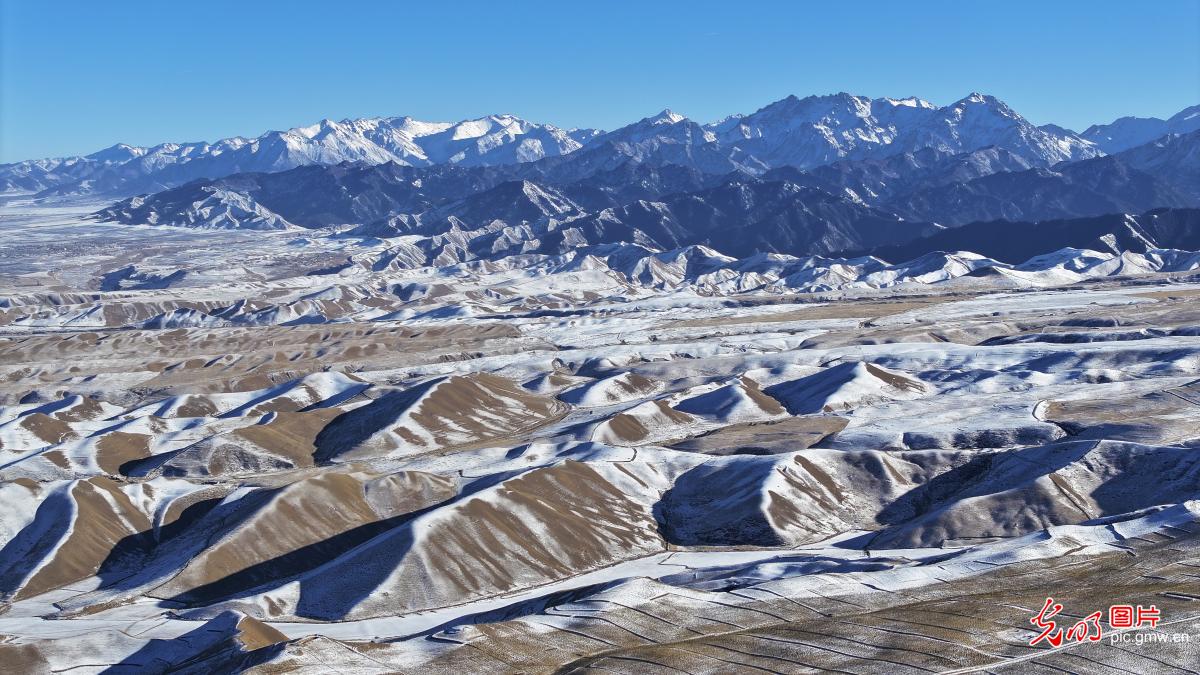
(841, 385)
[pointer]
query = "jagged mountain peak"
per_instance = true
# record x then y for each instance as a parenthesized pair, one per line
(665, 116)
(475, 128)
(663, 138)
(119, 152)
(909, 102)
(979, 97)
(979, 120)
(976, 101)
(819, 130)
(807, 105)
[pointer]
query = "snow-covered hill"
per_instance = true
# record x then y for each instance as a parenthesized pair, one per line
(495, 445)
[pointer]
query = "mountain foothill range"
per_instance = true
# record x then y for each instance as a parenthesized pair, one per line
(836, 175)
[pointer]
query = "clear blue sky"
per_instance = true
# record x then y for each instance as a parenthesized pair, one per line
(79, 76)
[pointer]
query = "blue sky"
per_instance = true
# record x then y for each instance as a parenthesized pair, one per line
(79, 76)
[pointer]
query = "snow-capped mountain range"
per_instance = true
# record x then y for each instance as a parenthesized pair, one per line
(631, 187)
(819, 130)
(805, 133)
(496, 139)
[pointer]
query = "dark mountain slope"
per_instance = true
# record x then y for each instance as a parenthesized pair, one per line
(1015, 242)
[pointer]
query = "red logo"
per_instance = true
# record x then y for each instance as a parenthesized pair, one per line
(1121, 616)
(1088, 628)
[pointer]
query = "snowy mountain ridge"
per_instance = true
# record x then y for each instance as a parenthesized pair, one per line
(495, 139)
(804, 132)
(1128, 132)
